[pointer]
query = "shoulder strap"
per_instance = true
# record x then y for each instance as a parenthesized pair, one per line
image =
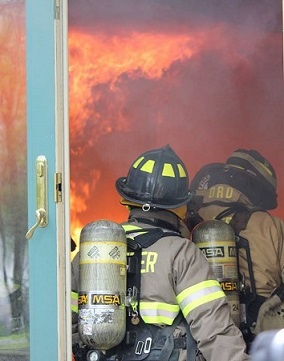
(149, 237)
(140, 242)
(136, 244)
(241, 215)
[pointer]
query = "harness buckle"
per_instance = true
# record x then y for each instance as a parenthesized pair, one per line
(148, 344)
(180, 342)
(139, 348)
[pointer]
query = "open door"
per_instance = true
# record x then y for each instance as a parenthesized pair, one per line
(35, 322)
(48, 180)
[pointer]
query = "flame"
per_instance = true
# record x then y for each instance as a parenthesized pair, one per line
(103, 60)
(225, 64)
(98, 59)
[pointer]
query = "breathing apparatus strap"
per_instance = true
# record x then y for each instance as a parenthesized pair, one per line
(135, 245)
(159, 223)
(147, 238)
(165, 341)
(162, 339)
(239, 221)
(190, 344)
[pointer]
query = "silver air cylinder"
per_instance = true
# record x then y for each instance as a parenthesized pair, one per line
(216, 240)
(102, 284)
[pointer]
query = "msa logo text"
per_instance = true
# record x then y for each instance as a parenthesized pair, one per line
(210, 252)
(99, 299)
(229, 286)
(232, 251)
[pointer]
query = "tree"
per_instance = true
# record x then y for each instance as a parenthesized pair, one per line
(13, 198)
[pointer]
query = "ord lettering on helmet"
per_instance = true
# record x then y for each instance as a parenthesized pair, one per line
(221, 192)
(148, 262)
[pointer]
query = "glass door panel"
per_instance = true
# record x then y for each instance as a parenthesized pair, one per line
(14, 275)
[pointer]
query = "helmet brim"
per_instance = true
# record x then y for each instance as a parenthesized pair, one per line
(126, 193)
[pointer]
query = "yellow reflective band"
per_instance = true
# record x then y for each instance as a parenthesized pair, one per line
(198, 295)
(265, 168)
(237, 166)
(213, 296)
(158, 312)
(130, 227)
(148, 166)
(138, 161)
(168, 170)
(181, 170)
(74, 302)
(157, 320)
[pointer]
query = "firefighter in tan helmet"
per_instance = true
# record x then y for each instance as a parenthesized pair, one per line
(241, 192)
(180, 300)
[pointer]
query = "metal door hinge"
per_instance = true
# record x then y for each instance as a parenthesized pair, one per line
(58, 187)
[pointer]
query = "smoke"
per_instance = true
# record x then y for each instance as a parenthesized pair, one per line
(203, 76)
(173, 16)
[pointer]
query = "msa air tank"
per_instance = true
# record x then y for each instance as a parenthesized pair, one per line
(102, 284)
(216, 240)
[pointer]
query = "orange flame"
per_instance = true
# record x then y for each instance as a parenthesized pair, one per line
(99, 59)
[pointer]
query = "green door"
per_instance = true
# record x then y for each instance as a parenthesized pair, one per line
(48, 180)
(35, 322)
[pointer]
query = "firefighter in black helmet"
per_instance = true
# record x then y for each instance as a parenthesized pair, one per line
(157, 178)
(180, 299)
(241, 191)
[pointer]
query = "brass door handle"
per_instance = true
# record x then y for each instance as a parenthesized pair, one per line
(41, 195)
(41, 220)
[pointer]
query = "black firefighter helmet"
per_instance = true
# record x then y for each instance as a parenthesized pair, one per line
(245, 170)
(158, 178)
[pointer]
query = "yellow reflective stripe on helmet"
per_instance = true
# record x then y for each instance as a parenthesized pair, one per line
(182, 172)
(138, 161)
(168, 170)
(259, 166)
(198, 295)
(74, 301)
(266, 169)
(158, 312)
(148, 166)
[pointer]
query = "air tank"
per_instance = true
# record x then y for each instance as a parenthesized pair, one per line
(216, 240)
(102, 284)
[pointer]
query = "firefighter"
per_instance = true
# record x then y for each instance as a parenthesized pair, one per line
(241, 192)
(176, 278)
